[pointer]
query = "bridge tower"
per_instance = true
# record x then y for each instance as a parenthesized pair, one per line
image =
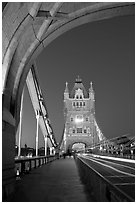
(79, 113)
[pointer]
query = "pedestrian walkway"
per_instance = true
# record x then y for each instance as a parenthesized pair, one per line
(57, 181)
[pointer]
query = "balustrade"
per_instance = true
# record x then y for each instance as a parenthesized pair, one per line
(24, 165)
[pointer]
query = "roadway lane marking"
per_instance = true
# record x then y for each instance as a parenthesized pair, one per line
(122, 172)
(114, 163)
(124, 184)
(116, 176)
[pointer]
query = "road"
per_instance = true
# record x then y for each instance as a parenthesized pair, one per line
(119, 172)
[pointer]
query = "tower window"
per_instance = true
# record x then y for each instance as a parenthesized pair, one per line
(80, 97)
(79, 130)
(71, 119)
(73, 103)
(77, 97)
(80, 103)
(85, 131)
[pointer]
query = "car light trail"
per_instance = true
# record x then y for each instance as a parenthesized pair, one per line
(113, 158)
(122, 172)
(110, 162)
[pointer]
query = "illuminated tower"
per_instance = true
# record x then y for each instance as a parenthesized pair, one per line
(79, 113)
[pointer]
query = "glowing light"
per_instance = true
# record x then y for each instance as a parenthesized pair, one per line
(78, 120)
(101, 147)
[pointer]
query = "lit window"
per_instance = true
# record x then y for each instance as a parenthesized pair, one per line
(79, 119)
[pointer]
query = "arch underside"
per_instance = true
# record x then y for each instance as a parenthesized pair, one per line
(29, 27)
(70, 141)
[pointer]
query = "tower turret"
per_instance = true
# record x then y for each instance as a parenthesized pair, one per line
(92, 99)
(91, 91)
(66, 92)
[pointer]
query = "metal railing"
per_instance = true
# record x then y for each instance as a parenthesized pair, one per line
(25, 165)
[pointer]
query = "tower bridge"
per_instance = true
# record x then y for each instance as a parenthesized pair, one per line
(27, 29)
(80, 121)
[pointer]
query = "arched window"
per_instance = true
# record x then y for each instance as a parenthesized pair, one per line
(71, 119)
(85, 131)
(74, 104)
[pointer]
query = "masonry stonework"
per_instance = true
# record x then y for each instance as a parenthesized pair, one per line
(79, 112)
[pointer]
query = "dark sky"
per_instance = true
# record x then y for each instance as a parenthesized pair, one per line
(102, 52)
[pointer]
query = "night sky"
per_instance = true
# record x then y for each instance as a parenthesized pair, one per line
(102, 52)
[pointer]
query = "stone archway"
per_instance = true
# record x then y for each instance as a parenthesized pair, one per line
(78, 146)
(70, 141)
(27, 29)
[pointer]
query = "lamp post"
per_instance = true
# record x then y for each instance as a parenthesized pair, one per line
(46, 140)
(20, 124)
(37, 131)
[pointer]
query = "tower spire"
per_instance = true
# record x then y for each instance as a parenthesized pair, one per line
(91, 91)
(66, 92)
(91, 87)
(66, 89)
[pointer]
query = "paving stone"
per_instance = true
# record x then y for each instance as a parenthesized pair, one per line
(58, 181)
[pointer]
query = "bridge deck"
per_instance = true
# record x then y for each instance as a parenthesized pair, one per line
(56, 181)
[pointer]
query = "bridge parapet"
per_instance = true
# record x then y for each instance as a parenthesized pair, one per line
(98, 186)
(24, 165)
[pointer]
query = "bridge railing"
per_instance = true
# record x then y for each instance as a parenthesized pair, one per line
(24, 165)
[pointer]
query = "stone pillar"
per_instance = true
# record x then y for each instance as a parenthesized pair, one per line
(8, 154)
